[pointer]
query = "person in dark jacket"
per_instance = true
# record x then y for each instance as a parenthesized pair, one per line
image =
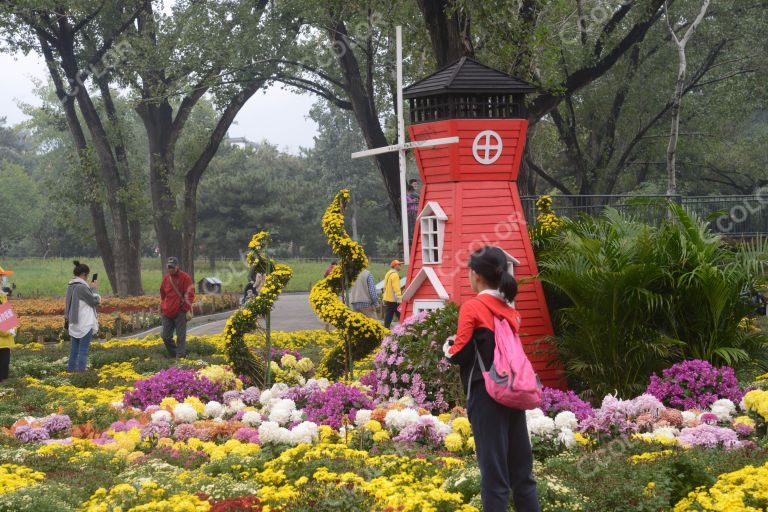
(501, 434)
(80, 312)
(177, 294)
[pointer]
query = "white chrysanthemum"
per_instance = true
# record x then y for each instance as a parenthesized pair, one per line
(252, 418)
(159, 416)
(117, 405)
(265, 397)
(407, 401)
(213, 409)
(689, 417)
(184, 413)
(281, 411)
(567, 437)
(304, 433)
(271, 432)
(278, 389)
(441, 427)
(541, 426)
(742, 405)
(669, 432)
(723, 409)
(362, 417)
(400, 419)
(566, 420)
(234, 406)
(533, 414)
(297, 415)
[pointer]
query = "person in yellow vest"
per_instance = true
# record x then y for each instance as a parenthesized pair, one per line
(393, 295)
(6, 339)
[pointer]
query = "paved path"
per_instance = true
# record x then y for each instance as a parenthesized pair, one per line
(292, 312)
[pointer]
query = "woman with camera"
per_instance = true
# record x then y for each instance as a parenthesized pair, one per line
(80, 315)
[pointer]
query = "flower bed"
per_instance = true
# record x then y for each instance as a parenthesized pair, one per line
(143, 436)
(42, 319)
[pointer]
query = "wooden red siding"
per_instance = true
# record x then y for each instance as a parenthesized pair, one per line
(483, 208)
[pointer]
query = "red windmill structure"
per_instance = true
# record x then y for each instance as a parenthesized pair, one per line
(469, 197)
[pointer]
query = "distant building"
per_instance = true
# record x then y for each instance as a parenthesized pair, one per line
(240, 142)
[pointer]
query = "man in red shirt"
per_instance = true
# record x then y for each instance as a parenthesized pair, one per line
(177, 294)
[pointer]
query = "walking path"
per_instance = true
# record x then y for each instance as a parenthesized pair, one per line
(292, 312)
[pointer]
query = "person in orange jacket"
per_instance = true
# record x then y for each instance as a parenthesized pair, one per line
(177, 294)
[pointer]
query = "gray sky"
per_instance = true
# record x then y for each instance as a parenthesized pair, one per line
(275, 115)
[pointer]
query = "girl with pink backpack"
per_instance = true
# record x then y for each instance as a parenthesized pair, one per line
(500, 383)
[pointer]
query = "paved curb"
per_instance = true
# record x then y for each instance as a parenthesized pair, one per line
(195, 322)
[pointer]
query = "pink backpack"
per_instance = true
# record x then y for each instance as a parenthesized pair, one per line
(510, 380)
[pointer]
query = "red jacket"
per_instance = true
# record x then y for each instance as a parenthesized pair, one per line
(475, 330)
(170, 301)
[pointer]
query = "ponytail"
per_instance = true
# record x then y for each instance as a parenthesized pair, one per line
(491, 264)
(508, 286)
(80, 269)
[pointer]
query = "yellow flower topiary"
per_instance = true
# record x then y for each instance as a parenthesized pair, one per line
(245, 320)
(361, 333)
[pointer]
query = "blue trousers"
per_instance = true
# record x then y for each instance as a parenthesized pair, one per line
(78, 352)
(503, 453)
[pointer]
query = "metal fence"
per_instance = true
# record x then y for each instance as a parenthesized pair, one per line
(743, 215)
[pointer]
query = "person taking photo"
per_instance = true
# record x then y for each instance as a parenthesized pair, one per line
(81, 320)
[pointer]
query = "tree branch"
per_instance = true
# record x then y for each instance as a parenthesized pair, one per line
(110, 41)
(82, 23)
(314, 88)
(195, 172)
(547, 101)
(547, 177)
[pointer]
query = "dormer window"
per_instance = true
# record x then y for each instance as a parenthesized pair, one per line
(432, 225)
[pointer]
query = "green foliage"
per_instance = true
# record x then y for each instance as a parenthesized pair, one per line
(611, 482)
(631, 299)
(20, 205)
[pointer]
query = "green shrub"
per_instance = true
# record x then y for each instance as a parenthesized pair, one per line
(631, 299)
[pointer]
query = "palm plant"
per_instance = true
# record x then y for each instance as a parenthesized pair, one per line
(706, 279)
(611, 293)
(632, 298)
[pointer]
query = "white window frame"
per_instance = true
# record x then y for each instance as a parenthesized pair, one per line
(420, 305)
(432, 233)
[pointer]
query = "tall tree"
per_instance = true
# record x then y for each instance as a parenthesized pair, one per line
(521, 37)
(75, 47)
(221, 50)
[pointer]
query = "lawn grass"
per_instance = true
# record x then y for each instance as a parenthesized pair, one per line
(48, 278)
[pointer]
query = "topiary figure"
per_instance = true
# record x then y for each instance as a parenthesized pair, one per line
(241, 358)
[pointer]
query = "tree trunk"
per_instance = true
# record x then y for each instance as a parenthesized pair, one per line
(353, 222)
(158, 122)
(190, 226)
(81, 145)
(450, 34)
(133, 257)
(677, 100)
(109, 170)
(364, 107)
(675, 130)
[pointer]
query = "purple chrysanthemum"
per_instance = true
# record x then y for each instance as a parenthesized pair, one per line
(172, 382)
(247, 435)
(554, 401)
(28, 434)
(695, 384)
(156, 430)
(329, 407)
(57, 423)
